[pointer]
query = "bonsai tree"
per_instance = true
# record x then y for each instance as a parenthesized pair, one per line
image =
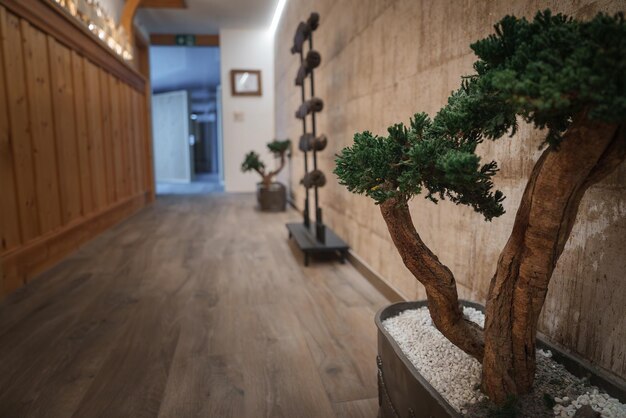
(252, 161)
(565, 77)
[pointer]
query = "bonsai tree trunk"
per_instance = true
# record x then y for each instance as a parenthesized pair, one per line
(267, 178)
(589, 152)
(443, 301)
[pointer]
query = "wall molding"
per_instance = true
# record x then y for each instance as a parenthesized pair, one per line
(51, 19)
(375, 279)
(372, 276)
(19, 266)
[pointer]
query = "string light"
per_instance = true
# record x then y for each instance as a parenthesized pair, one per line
(91, 14)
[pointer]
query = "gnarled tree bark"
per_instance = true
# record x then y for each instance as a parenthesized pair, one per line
(443, 301)
(267, 178)
(589, 151)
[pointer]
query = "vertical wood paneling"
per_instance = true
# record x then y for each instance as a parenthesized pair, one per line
(135, 136)
(19, 122)
(124, 138)
(118, 166)
(42, 127)
(146, 139)
(131, 157)
(107, 140)
(9, 226)
(83, 139)
(65, 130)
(139, 154)
(126, 181)
(72, 142)
(93, 104)
(145, 124)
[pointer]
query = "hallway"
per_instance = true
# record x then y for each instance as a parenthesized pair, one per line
(152, 266)
(174, 313)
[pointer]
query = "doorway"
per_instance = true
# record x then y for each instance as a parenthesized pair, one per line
(186, 118)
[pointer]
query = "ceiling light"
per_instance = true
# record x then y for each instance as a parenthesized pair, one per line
(279, 11)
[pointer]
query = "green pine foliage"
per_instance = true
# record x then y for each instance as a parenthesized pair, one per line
(252, 161)
(279, 147)
(544, 72)
(411, 160)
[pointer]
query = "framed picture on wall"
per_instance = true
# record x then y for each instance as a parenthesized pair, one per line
(245, 82)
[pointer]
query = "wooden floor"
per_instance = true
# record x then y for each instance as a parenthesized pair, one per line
(196, 307)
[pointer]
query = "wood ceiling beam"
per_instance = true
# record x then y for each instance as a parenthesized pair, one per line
(131, 6)
(170, 39)
(128, 15)
(164, 4)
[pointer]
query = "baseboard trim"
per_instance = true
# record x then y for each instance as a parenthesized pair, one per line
(21, 264)
(368, 272)
(375, 279)
(293, 205)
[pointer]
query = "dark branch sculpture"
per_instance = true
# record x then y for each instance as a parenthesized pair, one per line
(312, 61)
(315, 178)
(312, 105)
(303, 32)
(308, 142)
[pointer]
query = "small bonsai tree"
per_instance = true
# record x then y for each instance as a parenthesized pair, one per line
(252, 161)
(564, 76)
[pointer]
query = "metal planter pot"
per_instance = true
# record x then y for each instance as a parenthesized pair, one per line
(404, 393)
(272, 198)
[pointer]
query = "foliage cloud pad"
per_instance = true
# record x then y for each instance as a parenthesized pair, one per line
(544, 71)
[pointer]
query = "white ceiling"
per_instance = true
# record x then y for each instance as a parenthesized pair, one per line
(209, 16)
(183, 68)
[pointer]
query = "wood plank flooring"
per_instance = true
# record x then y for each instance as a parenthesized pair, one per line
(196, 307)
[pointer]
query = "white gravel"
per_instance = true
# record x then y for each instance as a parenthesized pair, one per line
(456, 375)
(601, 402)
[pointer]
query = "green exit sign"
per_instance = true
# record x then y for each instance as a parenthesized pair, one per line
(185, 40)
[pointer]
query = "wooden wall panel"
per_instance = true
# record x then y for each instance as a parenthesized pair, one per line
(19, 122)
(134, 134)
(134, 131)
(74, 148)
(107, 138)
(145, 110)
(83, 140)
(65, 129)
(132, 158)
(132, 138)
(117, 103)
(95, 120)
(9, 218)
(116, 139)
(126, 139)
(139, 135)
(42, 127)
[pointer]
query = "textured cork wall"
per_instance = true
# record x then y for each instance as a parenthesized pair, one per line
(382, 61)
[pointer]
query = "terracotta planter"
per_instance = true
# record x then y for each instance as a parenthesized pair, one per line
(404, 393)
(272, 198)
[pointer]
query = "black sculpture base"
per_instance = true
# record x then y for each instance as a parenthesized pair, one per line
(308, 244)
